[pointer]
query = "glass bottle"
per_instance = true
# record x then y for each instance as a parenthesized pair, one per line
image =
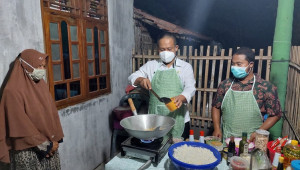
(231, 149)
(280, 164)
(243, 143)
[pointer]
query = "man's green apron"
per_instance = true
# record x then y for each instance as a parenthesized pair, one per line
(166, 83)
(240, 113)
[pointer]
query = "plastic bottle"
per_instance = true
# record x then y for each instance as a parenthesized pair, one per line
(276, 158)
(280, 164)
(291, 152)
(243, 143)
(191, 137)
(201, 138)
(231, 149)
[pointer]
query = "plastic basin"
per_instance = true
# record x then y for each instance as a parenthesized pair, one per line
(185, 166)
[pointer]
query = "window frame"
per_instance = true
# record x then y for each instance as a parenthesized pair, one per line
(77, 18)
(89, 24)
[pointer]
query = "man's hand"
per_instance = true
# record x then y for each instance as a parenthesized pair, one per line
(143, 82)
(53, 149)
(265, 126)
(218, 133)
(215, 113)
(252, 137)
(179, 100)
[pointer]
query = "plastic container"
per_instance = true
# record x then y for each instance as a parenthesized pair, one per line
(260, 160)
(295, 164)
(211, 138)
(185, 166)
(246, 156)
(291, 152)
(191, 136)
(201, 137)
(214, 142)
(261, 139)
(238, 163)
(171, 105)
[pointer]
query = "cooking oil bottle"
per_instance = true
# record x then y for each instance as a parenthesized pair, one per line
(291, 152)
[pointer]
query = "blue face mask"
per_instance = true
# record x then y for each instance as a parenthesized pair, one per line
(239, 72)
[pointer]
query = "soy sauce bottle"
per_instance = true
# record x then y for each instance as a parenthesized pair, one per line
(231, 149)
(280, 164)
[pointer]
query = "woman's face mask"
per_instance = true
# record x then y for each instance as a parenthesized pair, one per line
(166, 56)
(37, 74)
(239, 72)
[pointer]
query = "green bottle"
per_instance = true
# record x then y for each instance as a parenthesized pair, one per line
(243, 146)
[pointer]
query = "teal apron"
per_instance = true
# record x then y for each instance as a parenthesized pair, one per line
(166, 83)
(240, 113)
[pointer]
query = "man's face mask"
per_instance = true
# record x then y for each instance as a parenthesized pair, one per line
(166, 56)
(37, 74)
(239, 72)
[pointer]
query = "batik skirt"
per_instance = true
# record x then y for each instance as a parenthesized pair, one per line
(28, 160)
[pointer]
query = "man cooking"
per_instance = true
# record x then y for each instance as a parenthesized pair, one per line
(168, 77)
(244, 101)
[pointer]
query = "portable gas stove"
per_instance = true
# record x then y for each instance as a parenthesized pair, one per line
(147, 150)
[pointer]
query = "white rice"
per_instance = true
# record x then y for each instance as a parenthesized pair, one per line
(194, 155)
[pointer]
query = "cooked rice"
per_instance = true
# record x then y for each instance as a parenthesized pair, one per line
(194, 155)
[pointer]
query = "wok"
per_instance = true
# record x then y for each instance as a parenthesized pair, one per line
(145, 126)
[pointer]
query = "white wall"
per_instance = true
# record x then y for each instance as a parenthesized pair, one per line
(86, 126)
(20, 28)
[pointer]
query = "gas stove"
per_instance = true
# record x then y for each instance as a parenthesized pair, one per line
(147, 150)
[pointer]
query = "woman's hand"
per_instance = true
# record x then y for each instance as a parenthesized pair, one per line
(53, 149)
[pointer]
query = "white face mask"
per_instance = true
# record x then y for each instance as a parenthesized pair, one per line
(37, 73)
(166, 56)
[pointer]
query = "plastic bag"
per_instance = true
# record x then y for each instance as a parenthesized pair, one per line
(259, 160)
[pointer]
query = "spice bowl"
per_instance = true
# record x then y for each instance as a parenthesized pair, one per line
(214, 142)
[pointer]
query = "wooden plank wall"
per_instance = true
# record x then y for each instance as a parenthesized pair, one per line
(210, 68)
(292, 102)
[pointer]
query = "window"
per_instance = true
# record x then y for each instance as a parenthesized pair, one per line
(76, 39)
